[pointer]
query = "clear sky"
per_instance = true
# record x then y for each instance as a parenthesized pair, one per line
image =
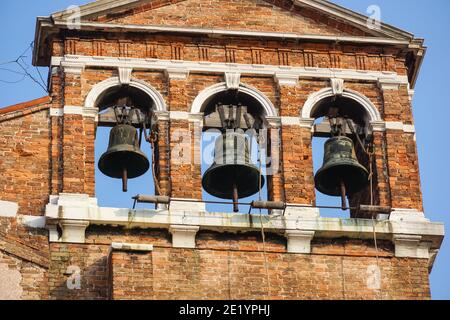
(426, 19)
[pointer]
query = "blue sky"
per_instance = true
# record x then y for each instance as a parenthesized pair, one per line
(426, 19)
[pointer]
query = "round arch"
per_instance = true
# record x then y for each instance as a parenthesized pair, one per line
(101, 87)
(315, 98)
(199, 101)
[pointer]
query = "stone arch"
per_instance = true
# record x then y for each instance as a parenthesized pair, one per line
(370, 109)
(200, 101)
(101, 87)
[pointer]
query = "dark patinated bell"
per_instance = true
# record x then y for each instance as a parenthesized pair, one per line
(123, 159)
(232, 175)
(341, 173)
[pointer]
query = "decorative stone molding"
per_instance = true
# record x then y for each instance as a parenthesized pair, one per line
(411, 246)
(183, 236)
(131, 247)
(73, 231)
(73, 68)
(274, 122)
(378, 126)
(217, 67)
(286, 79)
(337, 86)
(299, 241)
(69, 209)
(196, 117)
(162, 115)
(233, 80)
(367, 105)
(388, 84)
(201, 99)
(125, 75)
(306, 122)
(177, 73)
(8, 209)
(101, 87)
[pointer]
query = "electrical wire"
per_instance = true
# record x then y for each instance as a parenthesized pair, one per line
(24, 67)
(370, 154)
(263, 234)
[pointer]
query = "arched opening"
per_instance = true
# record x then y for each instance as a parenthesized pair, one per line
(239, 117)
(125, 118)
(338, 118)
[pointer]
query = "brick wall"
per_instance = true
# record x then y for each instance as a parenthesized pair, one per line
(229, 266)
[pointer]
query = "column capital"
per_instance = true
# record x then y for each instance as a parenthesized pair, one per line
(299, 241)
(183, 236)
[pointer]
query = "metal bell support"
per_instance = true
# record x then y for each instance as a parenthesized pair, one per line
(341, 173)
(124, 158)
(232, 175)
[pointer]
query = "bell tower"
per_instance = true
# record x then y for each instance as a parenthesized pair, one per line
(250, 93)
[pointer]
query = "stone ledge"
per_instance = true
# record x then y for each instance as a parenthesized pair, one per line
(298, 224)
(131, 247)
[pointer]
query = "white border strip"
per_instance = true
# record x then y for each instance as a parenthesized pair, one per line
(193, 66)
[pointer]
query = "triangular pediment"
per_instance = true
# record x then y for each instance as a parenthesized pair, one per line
(303, 17)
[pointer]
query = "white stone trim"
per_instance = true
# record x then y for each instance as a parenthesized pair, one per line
(202, 98)
(299, 241)
(393, 125)
(76, 110)
(388, 84)
(307, 123)
(163, 115)
(337, 86)
(73, 207)
(8, 209)
(290, 121)
(73, 231)
(411, 246)
(32, 221)
(274, 122)
(378, 126)
(219, 67)
(72, 68)
(187, 205)
(125, 75)
(233, 80)
(101, 87)
(372, 111)
(56, 112)
(283, 79)
(196, 117)
(407, 215)
(178, 115)
(177, 73)
(131, 247)
(183, 236)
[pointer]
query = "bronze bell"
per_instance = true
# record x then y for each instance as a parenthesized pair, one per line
(232, 175)
(123, 159)
(341, 173)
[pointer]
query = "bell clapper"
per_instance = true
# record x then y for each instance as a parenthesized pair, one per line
(343, 196)
(235, 198)
(124, 179)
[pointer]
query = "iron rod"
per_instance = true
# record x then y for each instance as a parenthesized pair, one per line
(235, 198)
